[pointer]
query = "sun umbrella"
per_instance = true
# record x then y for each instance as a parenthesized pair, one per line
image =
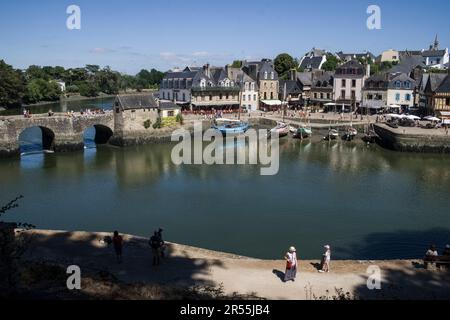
(395, 116)
(411, 117)
(431, 118)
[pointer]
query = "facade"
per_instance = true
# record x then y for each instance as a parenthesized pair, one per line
(442, 99)
(390, 56)
(322, 88)
(290, 92)
(176, 86)
(348, 82)
(430, 86)
(384, 90)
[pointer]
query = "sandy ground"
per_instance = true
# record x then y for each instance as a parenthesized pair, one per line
(193, 266)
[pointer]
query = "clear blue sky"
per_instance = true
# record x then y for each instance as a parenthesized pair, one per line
(134, 34)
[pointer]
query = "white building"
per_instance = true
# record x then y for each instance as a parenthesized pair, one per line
(348, 83)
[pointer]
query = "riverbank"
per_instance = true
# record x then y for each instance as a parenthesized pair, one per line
(187, 266)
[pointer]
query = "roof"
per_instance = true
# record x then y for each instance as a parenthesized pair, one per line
(435, 80)
(433, 53)
(347, 56)
(444, 87)
(346, 70)
(168, 105)
(311, 63)
(291, 87)
(137, 101)
(323, 78)
(408, 64)
(305, 78)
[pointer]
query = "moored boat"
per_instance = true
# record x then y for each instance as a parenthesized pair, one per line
(350, 134)
(282, 129)
(303, 132)
(332, 134)
(230, 127)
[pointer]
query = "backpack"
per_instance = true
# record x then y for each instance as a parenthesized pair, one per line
(154, 242)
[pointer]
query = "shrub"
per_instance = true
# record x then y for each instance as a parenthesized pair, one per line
(147, 124)
(157, 124)
(179, 118)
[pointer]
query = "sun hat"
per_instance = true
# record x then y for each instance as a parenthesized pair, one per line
(326, 247)
(292, 249)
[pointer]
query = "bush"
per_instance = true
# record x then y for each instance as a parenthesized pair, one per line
(157, 124)
(147, 124)
(179, 118)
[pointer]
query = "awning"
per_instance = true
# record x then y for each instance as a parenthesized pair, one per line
(394, 106)
(445, 114)
(272, 102)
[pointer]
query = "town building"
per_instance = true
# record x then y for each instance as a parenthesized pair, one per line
(389, 90)
(428, 87)
(348, 82)
(321, 88)
(268, 82)
(291, 93)
(389, 56)
(347, 57)
(313, 60)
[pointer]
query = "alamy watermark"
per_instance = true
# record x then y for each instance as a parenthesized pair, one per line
(374, 19)
(74, 280)
(374, 279)
(73, 21)
(262, 149)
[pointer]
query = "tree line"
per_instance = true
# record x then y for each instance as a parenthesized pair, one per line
(37, 84)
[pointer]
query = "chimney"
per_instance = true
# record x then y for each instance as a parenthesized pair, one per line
(293, 74)
(368, 70)
(206, 69)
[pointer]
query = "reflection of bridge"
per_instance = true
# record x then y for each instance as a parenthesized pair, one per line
(60, 132)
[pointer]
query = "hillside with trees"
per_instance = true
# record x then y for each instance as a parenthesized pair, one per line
(40, 84)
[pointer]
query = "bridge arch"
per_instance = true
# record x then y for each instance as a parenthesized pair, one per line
(29, 141)
(98, 133)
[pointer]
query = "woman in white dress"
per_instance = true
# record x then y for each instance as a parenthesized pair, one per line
(326, 258)
(291, 264)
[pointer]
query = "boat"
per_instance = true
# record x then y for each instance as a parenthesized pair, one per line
(350, 134)
(332, 134)
(303, 132)
(282, 129)
(292, 129)
(230, 127)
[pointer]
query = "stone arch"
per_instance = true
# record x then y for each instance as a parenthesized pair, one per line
(48, 136)
(102, 133)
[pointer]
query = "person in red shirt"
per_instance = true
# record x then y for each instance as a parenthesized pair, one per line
(118, 244)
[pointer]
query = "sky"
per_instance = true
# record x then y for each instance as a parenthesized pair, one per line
(135, 34)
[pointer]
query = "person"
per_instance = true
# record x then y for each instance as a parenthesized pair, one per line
(432, 252)
(118, 244)
(291, 264)
(155, 244)
(326, 258)
(163, 247)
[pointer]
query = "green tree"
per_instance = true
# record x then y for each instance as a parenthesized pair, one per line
(331, 64)
(41, 90)
(236, 64)
(283, 64)
(11, 86)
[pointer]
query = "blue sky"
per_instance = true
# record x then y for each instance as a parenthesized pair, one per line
(134, 34)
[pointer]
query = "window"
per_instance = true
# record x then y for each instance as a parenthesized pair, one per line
(447, 101)
(117, 110)
(353, 83)
(249, 97)
(253, 87)
(184, 96)
(272, 75)
(220, 96)
(408, 97)
(407, 85)
(265, 75)
(203, 98)
(164, 95)
(397, 97)
(343, 84)
(246, 86)
(353, 94)
(343, 94)
(254, 97)
(243, 97)
(168, 95)
(265, 95)
(170, 113)
(398, 84)
(271, 96)
(133, 114)
(321, 95)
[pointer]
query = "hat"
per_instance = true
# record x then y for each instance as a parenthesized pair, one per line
(447, 246)
(292, 249)
(326, 247)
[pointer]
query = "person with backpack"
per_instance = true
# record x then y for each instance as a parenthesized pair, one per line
(155, 243)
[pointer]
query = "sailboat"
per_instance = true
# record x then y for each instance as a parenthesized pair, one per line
(350, 132)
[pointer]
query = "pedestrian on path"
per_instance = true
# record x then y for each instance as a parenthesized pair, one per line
(117, 241)
(326, 258)
(291, 264)
(156, 243)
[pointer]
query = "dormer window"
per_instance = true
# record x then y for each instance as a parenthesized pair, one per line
(398, 84)
(265, 75)
(272, 75)
(203, 83)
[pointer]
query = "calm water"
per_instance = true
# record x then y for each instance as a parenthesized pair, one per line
(366, 202)
(65, 106)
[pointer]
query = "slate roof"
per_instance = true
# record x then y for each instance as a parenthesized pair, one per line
(384, 81)
(408, 64)
(137, 101)
(348, 56)
(311, 63)
(433, 53)
(341, 71)
(305, 78)
(435, 80)
(325, 80)
(291, 87)
(444, 87)
(167, 105)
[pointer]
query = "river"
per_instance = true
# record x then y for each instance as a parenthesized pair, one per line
(364, 201)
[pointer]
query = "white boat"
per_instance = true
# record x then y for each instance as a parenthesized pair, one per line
(282, 129)
(228, 126)
(333, 134)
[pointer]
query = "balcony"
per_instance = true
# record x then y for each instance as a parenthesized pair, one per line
(215, 90)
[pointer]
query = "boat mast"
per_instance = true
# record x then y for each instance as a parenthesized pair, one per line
(240, 102)
(283, 102)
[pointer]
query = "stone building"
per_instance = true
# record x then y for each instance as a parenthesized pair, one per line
(321, 88)
(268, 82)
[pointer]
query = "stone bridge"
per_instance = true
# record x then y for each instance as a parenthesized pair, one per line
(60, 132)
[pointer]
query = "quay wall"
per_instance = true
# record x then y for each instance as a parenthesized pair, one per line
(411, 140)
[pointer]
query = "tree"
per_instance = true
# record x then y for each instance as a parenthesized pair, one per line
(11, 86)
(236, 64)
(41, 90)
(283, 64)
(331, 64)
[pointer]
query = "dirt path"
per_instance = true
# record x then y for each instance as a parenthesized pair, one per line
(193, 266)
